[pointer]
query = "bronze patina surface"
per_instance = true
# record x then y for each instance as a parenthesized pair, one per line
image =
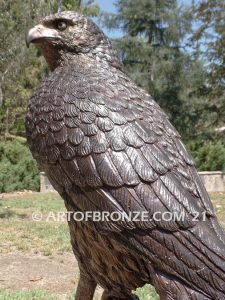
(106, 145)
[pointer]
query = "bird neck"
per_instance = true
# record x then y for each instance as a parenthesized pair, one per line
(105, 53)
(102, 54)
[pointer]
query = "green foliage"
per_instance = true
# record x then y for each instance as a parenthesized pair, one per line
(17, 64)
(18, 170)
(87, 7)
(209, 38)
(208, 157)
(147, 293)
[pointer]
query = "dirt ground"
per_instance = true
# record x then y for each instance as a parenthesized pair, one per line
(57, 275)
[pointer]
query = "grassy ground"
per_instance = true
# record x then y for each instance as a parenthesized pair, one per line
(34, 295)
(20, 233)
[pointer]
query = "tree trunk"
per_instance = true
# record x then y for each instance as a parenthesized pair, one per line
(59, 5)
(7, 123)
(1, 95)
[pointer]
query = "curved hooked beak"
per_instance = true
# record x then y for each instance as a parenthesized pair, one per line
(40, 32)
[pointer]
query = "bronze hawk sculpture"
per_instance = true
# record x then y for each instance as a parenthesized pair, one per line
(106, 146)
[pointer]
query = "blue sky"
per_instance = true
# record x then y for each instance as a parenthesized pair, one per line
(108, 6)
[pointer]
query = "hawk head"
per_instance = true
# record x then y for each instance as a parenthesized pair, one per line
(64, 36)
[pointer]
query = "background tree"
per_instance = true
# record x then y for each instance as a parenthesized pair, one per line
(209, 39)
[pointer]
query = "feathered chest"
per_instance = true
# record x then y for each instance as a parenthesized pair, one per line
(64, 117)
(73, 114)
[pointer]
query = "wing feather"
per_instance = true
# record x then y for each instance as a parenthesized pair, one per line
(124, 167)
(106, 169)
(141, 165)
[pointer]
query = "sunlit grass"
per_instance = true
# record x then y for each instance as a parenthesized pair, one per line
(18, 230)
(26, 295)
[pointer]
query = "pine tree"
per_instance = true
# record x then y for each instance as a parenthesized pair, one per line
(210, 39)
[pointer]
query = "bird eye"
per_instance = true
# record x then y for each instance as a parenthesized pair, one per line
(61, 25)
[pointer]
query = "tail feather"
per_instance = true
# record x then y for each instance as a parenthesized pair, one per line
(170, 288)
(184, 256)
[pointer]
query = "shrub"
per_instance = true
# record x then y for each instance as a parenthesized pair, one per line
(18, 170)
(209, 157)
